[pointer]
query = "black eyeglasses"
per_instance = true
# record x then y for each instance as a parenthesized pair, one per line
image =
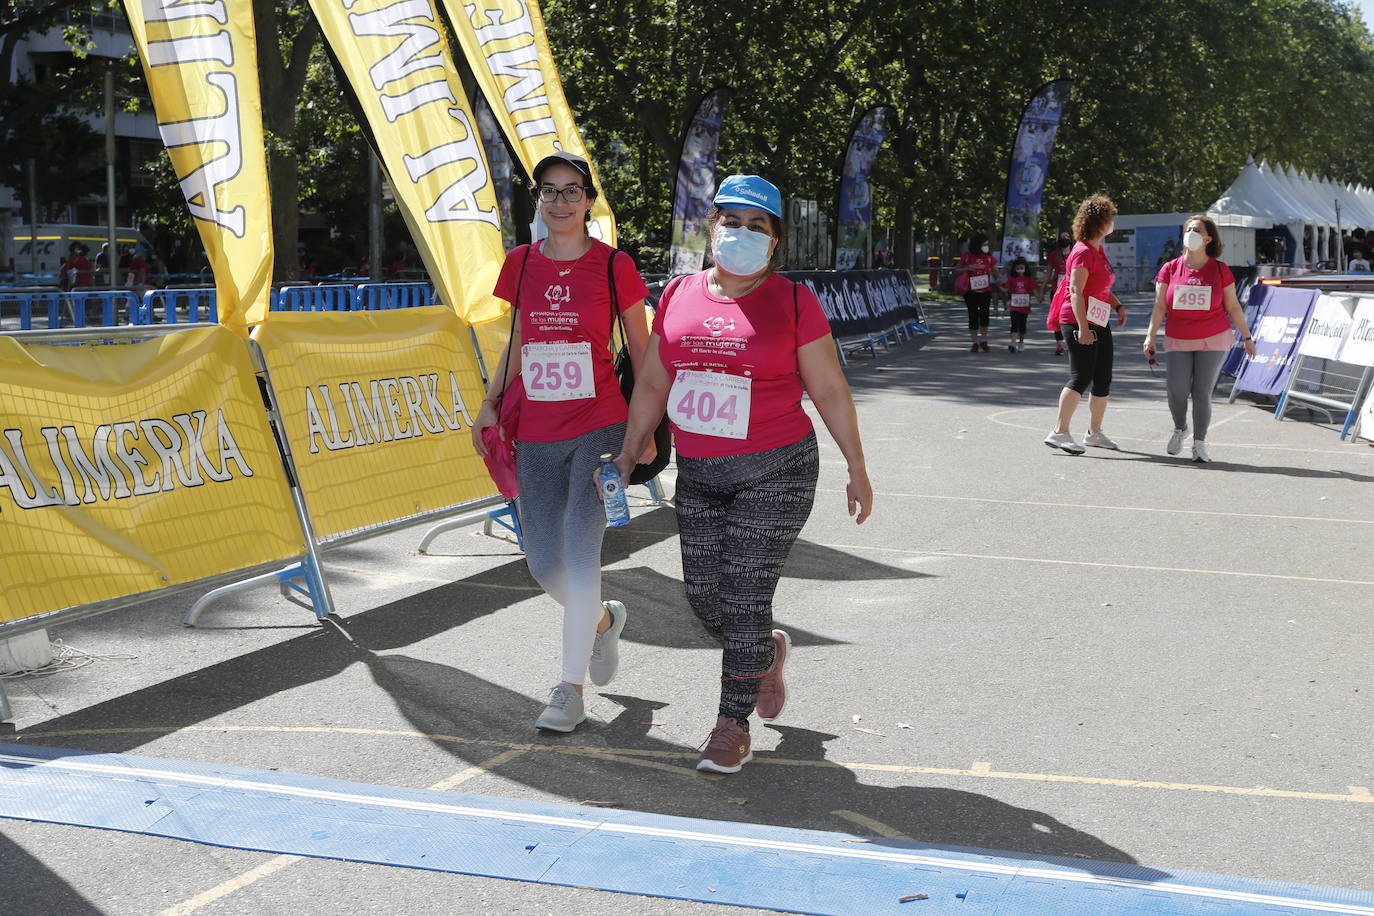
(548, 193)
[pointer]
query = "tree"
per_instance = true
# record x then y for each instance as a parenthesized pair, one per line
(287, 34)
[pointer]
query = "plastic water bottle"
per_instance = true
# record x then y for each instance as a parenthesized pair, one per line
(613, 493)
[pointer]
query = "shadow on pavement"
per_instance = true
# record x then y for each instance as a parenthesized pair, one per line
(804, 796)
(1183, 462)
(38, 889)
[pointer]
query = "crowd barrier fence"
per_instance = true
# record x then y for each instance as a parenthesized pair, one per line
(118, 442)
(1335, 360)
(1313, 348)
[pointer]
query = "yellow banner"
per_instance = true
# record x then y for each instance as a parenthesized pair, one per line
(200, 58)
(126, 468)
(508, 50)
(397, 61)
(378, 410)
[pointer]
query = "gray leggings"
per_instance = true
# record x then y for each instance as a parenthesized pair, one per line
(562, 522)
(1195, 373)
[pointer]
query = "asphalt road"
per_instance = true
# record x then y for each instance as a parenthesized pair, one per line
(1119, 656)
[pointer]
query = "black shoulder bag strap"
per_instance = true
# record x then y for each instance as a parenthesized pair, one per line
(514, 316)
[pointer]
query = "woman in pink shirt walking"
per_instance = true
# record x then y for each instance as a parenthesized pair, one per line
(1195, 297)
(732, 350)
(1084, 306)
(560, 289)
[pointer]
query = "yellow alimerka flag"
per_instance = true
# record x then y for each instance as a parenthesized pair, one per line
(127, 468)
(507, 48)
(396, 59)
(200, 58)
(378, 409)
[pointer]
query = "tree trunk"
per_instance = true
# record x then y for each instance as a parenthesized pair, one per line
(282, 63)
(285, 182)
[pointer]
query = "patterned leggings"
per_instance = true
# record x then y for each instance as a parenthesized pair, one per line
(738, 517)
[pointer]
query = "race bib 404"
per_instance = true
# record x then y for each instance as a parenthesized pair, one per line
(710, 403)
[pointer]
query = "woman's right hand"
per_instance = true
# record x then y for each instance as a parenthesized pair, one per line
(485, 417)
(1149, 345)
(1085, 337)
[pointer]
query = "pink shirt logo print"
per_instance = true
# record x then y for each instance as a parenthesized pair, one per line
(718, 326)
(558, 296)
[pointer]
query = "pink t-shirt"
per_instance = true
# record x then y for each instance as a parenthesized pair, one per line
(1099, 285)
(1195, 323)
(1023, 285)
(570, 302)
(755, 337)
(982, 265)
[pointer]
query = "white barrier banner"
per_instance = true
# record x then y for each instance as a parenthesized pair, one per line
(1365, 423)
(1359, 341)
(1326, 330)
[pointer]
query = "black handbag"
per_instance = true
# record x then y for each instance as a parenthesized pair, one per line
(625, 372)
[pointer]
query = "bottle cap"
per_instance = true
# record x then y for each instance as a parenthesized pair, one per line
(607, 457)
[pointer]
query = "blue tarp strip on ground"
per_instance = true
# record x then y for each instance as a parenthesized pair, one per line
(631, 852)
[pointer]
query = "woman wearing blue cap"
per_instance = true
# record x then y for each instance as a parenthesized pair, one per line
(573, 413)
(731, 351)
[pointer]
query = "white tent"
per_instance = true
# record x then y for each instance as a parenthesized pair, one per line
(1256, 193)
(1304, 205)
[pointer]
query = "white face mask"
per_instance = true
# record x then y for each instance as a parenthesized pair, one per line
(986, 249)
(1192, 240)
(740, 251)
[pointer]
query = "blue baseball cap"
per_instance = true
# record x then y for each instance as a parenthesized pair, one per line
(749, 191)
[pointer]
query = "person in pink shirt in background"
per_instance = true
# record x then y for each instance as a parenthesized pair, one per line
(1195, 297)
(981, 269)
(1020, 286)
(1083, 306)
(1055, 261)
(731, 352)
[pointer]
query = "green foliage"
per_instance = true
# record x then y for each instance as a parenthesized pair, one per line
(1170, 97)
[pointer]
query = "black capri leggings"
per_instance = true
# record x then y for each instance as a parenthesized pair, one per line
(1091, 364)
(979, 308)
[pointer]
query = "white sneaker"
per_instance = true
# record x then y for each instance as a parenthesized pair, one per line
(1200, 451)
(606, 649)
(564, 712)
(1064, 441)
(1099, 440)
(1176, 441)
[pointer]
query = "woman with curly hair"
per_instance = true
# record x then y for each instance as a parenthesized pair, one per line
(1084, 307)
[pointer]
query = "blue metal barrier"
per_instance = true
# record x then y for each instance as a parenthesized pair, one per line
(86, 308)
(327, 297)
(198, 304)
(394, 295)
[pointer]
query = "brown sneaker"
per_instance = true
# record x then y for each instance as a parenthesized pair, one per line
(772, 690)
(727, 749)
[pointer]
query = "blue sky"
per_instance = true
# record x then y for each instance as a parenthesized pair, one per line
(1367, 9)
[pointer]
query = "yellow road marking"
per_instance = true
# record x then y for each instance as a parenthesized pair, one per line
(478, 769)
(277, 863)
(274, 864)
(1176, 569)
(981, 766)
(1031, 502)
(687, 753)
(873, 826)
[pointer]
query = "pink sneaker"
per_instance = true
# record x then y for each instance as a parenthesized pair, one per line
(772, 689)
(727, 749)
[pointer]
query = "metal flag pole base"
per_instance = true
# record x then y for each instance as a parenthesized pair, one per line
(300, 577)
(504, 515)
